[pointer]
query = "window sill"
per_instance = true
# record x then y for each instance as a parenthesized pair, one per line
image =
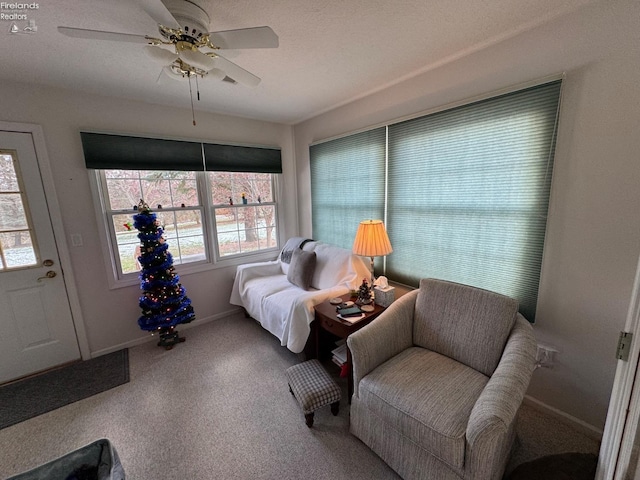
(186, 270)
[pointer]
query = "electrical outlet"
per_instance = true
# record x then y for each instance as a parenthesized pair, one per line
(545, 356)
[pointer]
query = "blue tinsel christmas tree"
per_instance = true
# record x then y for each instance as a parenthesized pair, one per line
(164, 303)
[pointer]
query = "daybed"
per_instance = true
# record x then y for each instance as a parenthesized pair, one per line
(285, 309)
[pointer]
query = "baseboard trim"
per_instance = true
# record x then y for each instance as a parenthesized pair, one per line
(583, 427)
(149, 338)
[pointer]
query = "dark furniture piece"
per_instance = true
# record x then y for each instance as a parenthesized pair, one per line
(97, 460)
(327, 319)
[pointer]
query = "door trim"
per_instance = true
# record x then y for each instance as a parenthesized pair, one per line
(39, 144)
(624, 406)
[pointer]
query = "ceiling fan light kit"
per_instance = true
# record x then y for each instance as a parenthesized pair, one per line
(183, 27)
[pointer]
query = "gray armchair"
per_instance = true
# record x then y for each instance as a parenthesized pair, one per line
(438, 380)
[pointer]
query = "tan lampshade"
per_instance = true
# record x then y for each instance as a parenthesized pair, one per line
(372, 239)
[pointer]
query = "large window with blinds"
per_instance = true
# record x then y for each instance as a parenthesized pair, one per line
(214, 202)
(347, 185)
(464, 195)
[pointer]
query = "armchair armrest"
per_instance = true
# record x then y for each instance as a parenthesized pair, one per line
(383, 338)
(494, 413)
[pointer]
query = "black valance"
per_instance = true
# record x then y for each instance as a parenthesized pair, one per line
(107, 151)
(103, 151)
(230, 158)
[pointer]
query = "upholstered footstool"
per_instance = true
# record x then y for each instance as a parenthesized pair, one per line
(312, 386)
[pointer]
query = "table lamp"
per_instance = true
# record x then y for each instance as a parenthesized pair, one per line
(372, 241)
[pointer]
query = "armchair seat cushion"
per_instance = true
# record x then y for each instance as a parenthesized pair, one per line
(427, 397)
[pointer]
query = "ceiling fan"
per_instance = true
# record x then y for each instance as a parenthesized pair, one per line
(186, 48)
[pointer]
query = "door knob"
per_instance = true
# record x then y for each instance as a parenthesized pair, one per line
(49, 274)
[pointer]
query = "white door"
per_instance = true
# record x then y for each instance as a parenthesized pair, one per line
(36, 326)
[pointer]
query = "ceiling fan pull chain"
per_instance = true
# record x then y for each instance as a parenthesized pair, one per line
(193, 113)
(197, 88)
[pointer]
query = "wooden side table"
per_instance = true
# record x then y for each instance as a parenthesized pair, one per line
(327, 319)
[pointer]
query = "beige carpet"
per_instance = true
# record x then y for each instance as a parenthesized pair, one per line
(218, 407)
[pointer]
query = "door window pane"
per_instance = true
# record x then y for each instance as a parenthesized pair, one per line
(12, 214)
(16, 236)
(17, 249)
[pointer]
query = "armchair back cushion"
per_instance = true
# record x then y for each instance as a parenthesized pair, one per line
(464, 323)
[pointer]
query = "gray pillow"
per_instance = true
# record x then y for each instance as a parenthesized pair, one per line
(301, 268)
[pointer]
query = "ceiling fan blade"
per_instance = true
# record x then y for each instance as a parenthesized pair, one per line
(100, 35)
(197, 59)
(236, 72)
(256, 37)
(161, 55)
(215, 74)
(158, 11)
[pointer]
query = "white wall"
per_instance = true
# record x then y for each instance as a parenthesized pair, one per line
(592, 241)
(110, 316)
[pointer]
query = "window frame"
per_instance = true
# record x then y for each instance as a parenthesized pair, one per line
(117, 279)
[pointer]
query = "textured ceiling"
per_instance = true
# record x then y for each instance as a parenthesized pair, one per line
(331, 51)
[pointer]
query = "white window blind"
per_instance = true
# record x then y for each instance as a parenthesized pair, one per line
(468, 193)
(347, 185)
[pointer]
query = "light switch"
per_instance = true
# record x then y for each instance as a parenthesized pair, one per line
(76, 239)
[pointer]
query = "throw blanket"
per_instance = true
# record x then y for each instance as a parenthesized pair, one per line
(292, 244)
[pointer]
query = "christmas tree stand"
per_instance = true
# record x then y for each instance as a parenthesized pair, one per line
(169, 337)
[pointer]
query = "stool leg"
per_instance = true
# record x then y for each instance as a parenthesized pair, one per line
(308, 418)
(335, 408)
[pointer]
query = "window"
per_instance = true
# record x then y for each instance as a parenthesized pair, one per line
(174, 196)
(466, 192)
(215, 202)
(250, 223)
(16, 247)
(347, 185)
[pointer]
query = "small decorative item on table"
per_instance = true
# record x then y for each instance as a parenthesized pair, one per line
(364, 293)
